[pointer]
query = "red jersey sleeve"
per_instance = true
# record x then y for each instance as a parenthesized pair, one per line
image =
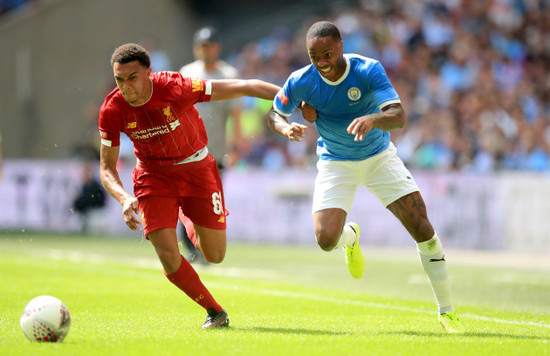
(110, 122)
(191, 89)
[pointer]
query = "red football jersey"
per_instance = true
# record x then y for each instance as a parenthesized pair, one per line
(165, 130)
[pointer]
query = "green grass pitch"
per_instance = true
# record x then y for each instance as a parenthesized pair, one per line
(282, 300)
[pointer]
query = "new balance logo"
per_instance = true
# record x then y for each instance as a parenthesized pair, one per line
(437, 259)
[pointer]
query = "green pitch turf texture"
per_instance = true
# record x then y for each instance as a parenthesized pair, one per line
(282, 300)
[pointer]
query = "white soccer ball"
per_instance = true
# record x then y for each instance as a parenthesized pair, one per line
(45, 319)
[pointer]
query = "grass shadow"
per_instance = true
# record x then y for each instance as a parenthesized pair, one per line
(275, 330)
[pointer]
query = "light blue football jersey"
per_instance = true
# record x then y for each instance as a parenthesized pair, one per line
(363, 89)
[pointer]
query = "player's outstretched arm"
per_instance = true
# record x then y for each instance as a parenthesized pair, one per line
(112, 183)
(223, 89)
(279, 124)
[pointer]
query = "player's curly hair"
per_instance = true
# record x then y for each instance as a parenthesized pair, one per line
(323, 29)
(130, 52)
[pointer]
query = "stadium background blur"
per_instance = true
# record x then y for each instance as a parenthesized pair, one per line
(473, 76)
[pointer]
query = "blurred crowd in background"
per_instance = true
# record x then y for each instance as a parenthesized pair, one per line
(473, 76)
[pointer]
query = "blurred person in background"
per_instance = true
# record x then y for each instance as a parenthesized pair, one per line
(174, 169)
(90, 197)
(208, 65)
(356, 108)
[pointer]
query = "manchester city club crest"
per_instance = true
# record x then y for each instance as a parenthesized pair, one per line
(354, 93)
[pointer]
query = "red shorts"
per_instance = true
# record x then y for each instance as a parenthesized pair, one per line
(195, 188)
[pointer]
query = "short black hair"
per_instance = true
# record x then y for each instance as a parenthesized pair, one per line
(130, 52)
(323, 29)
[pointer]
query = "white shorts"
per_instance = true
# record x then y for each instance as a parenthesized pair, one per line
(384, 175)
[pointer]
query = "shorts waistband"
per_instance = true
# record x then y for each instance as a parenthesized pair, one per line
(199, 155)
(192, 160)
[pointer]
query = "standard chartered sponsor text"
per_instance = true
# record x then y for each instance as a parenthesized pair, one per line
(154, 131)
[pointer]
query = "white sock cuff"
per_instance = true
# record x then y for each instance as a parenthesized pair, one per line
(431, 247)
(347, 237)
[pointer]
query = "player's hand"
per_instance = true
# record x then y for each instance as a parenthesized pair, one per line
(308, 112)
(130, 212)
(360, 127)
(295, 131)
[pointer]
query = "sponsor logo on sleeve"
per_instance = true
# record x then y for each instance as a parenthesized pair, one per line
(197, 85)
(282, 97)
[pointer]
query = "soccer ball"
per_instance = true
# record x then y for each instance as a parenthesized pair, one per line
(45, 319)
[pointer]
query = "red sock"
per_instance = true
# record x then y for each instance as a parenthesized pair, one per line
(186, 279)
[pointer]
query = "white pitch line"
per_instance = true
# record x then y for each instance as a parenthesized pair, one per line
(320, 298)
(245, 272)
(369, 304)
(512, 322)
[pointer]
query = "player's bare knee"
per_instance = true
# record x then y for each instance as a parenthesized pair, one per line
(168, 257)
(214, 257)
(326, 241)
(214, 260)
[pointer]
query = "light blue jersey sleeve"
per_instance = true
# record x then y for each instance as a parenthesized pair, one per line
(381, 87)
(292, 93)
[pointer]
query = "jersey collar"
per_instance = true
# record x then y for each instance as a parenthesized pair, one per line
(342, 78)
